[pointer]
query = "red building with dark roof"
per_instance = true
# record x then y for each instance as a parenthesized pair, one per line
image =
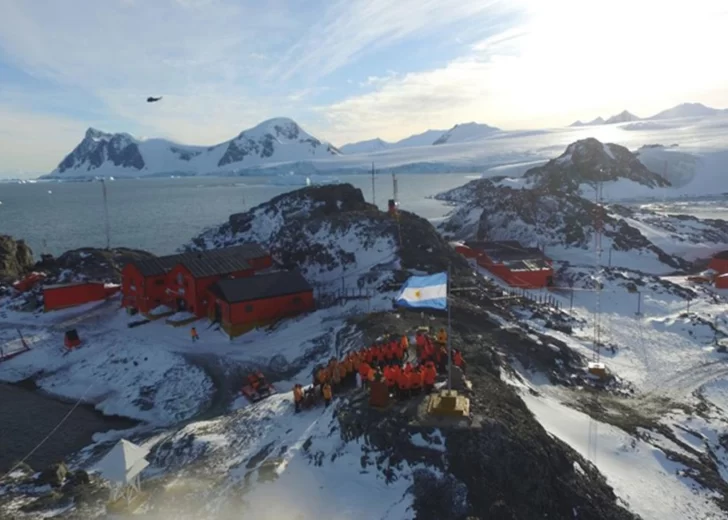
(719, 262)
(519, 266)
(242, 304)
(61, 296)
(181, 281)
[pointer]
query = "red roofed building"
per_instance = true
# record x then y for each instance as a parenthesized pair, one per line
(242, 304)
(519, 266)
(181, 281)
(719, 262)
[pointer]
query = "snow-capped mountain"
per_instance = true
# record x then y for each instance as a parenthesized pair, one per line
(466, 132)
(597, 121)
(372, 145)
(688, 110)
(273, 141)
(426, 138)
(623, 117)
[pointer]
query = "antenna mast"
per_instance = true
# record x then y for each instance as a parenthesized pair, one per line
(106, 215)
(598, 228)
(374, 198)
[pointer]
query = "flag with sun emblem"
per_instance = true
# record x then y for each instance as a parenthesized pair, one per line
(424, 292)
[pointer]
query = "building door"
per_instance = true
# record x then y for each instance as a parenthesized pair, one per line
(218, 313)
(181, 304)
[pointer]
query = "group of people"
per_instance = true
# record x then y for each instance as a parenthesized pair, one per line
(390, 361)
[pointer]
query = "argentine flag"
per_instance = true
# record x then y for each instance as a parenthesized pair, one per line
(424, 291)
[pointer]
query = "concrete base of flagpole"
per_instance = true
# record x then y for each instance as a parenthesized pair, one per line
(448, 403)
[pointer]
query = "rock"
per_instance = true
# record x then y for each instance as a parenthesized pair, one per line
(51, 500)
(90, 264)
(78, 478)
(16, 258)
(54, 475)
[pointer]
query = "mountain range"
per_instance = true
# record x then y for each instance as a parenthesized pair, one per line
(682, 110)
(281, 146)
(276, 140)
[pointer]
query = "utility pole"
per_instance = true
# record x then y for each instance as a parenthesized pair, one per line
(394, 187)
(449, 332)
(374, 197)
(106, 216)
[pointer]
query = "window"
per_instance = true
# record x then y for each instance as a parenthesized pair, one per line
(248, 308)
(159, 282)
(297, 300)
(179, 278)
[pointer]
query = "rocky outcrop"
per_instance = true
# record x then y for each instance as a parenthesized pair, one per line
(333, 236)
(98, 147)
(90, 264)
(16, 258)
(588, 161)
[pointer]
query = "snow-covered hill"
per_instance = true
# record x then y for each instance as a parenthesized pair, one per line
(426, 138)
(466, 132)
(622, 117)
(687, 110)
(372, 145)
(553, 206)
(597, 121)
(273, 141)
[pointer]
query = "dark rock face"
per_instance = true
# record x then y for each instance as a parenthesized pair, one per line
(54, 475)
(546, 218)
(91, 264)
(16, 258)
(98, 147)
(590, 161)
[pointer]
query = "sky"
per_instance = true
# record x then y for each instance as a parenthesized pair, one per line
(345, 70)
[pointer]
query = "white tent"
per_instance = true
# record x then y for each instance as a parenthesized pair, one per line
(122, 466)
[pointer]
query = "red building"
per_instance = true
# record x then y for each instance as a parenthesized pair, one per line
(519, 266)
(719, 262)
(242, 304)
(146, 284)
(72, 294)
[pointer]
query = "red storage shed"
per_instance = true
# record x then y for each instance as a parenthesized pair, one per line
(721, 281)
(71, 294)
(719, 262)
(242, 304)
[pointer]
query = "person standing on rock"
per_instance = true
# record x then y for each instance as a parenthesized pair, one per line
(297, 397)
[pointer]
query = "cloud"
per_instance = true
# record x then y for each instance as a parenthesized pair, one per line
(351, 28)
(566, 61)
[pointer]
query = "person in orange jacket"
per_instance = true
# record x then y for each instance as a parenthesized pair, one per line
(364, 369)
(326, 391)
(415, 382)
(388, 354)
(430, 374)
(457, 359)
(403, 385)
(297, 397)
(407, 368)
(193, 334)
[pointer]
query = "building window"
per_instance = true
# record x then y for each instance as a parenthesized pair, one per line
(159, 282)
(179, 278)
(297, 300)
(248, 308)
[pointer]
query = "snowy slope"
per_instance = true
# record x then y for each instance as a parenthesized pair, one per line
(373, 145)
(465, 132)
(623, 117)
(272, 141)
(687, 110)
(426, 138)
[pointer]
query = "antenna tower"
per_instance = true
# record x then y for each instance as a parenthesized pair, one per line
(106, 215)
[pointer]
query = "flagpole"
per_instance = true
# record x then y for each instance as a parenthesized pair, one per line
(449, 354)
